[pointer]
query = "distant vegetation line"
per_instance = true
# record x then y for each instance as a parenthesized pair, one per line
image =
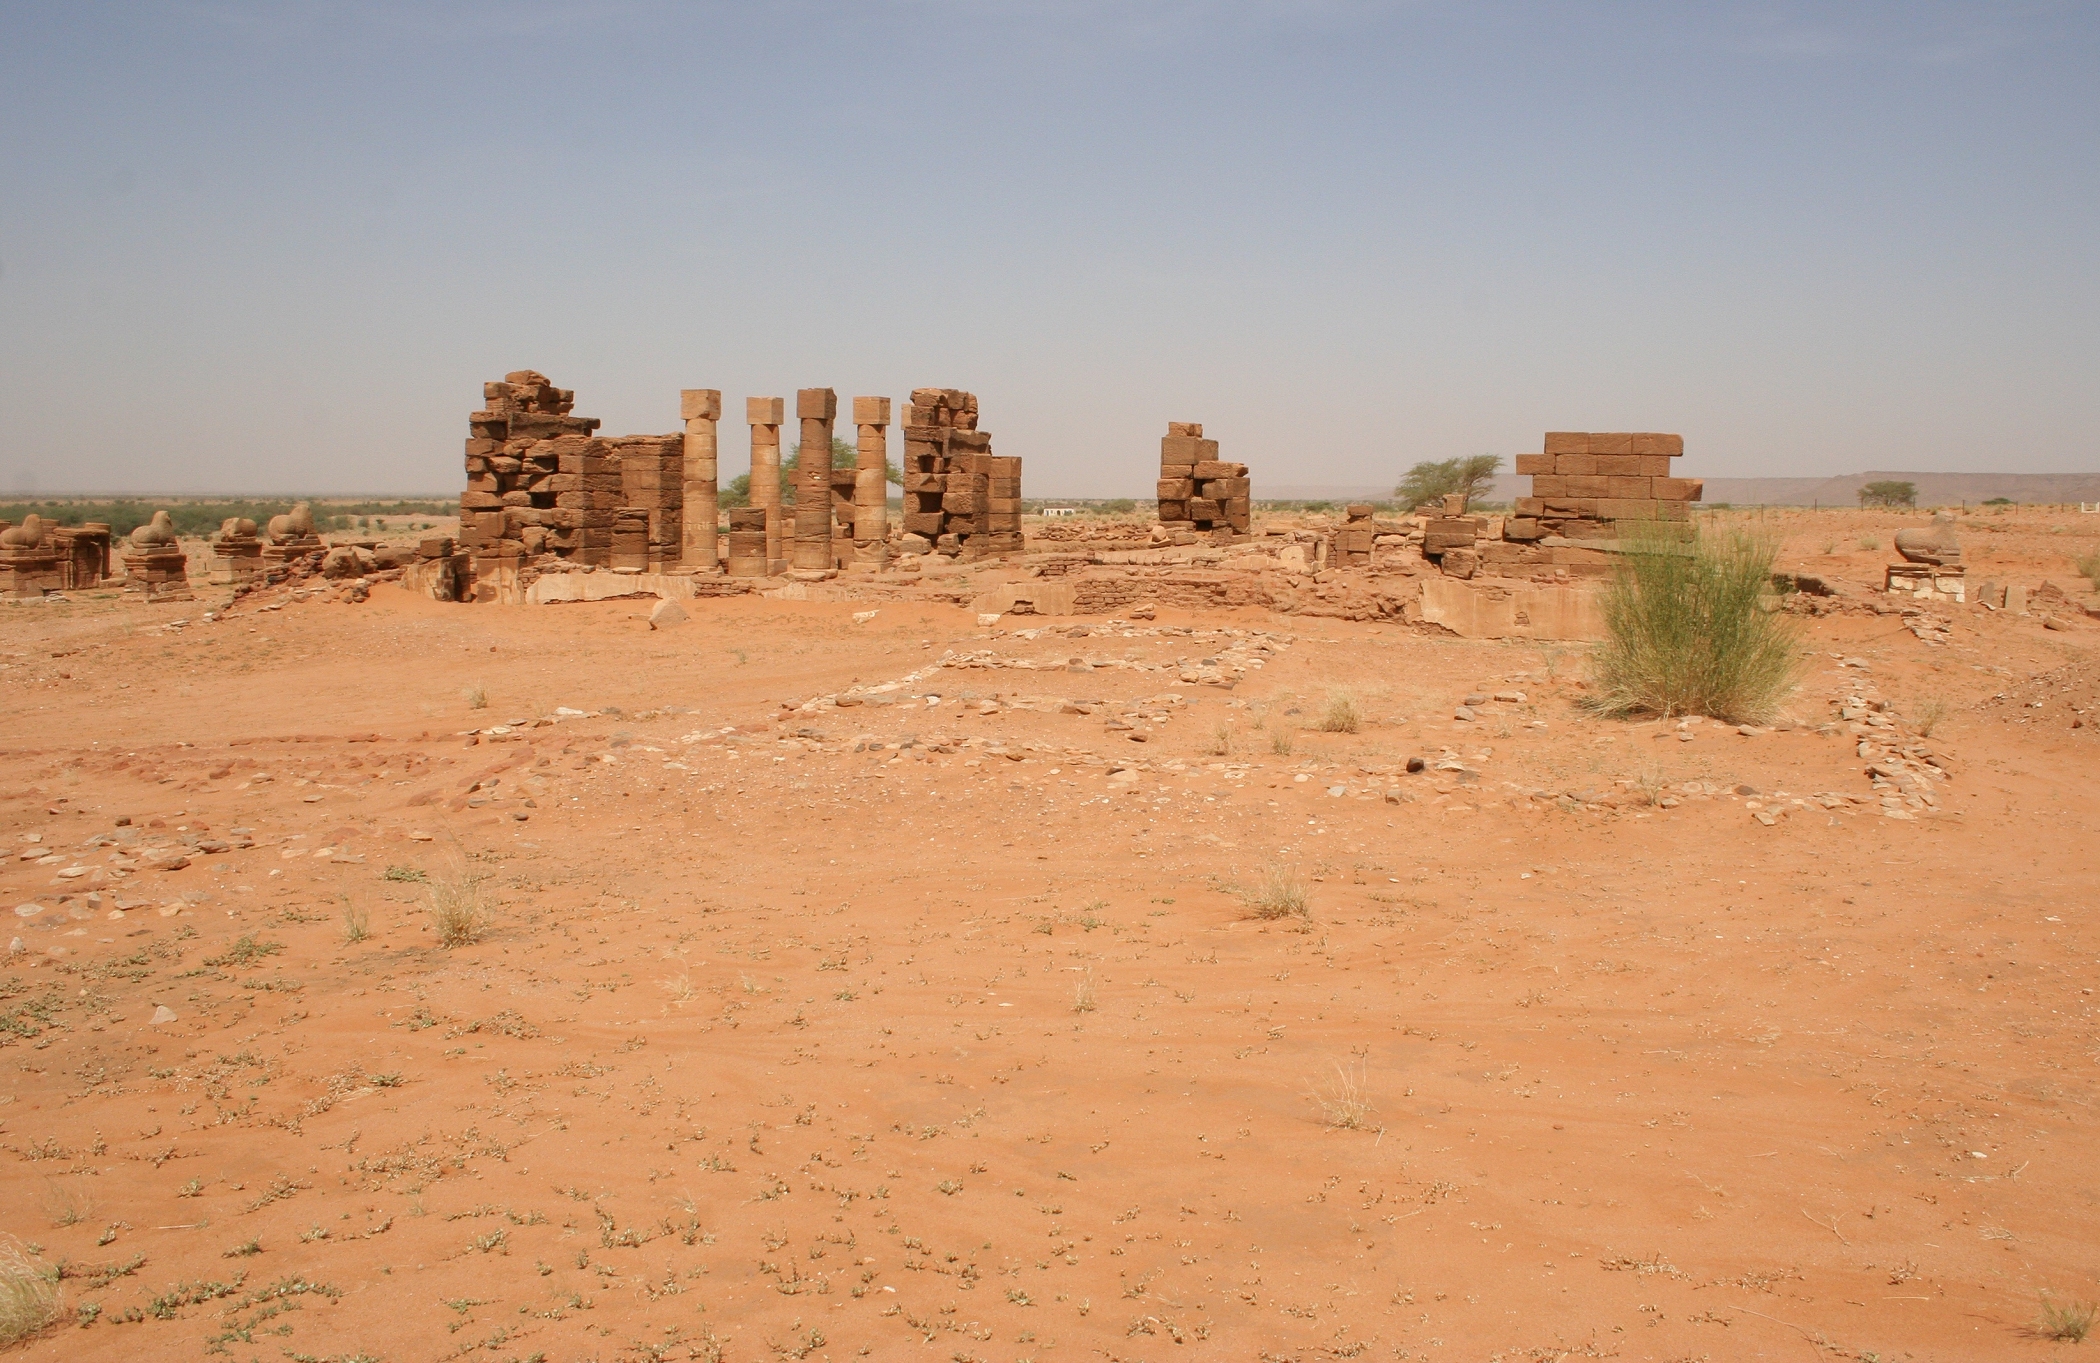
(196, 516)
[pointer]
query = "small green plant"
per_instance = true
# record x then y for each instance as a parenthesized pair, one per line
(457, 910)
(246, 950)
(1341, 1099)
(1688, 632)
(405, 873)
(29, 1297)
(1340, 716)
(1279, 894)
(1281, 743)
(2068, 1322)
(243, 1251)
(357, 924)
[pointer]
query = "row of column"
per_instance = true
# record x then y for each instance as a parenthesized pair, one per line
(814, 546)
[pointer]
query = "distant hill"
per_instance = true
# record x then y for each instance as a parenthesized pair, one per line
(1934, 489)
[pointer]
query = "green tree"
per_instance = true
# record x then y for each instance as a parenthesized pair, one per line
(1889, 492)
(1434, 480)
(737, 492)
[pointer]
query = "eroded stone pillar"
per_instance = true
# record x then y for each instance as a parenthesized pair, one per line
(765, 416)
(701, 408)
(871, 493)
(816, 407)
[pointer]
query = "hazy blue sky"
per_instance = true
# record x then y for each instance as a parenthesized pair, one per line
(276, 246)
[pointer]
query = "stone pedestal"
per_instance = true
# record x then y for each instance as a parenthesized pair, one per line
(765, 416)
(160, 572)
(816, 408)
(28, 572)
(1930, 581)
(701, 408)
(235, 560)
(277, 554)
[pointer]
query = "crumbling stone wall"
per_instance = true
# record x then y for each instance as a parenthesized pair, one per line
(960, 499)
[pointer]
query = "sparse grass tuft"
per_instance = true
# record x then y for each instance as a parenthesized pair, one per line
(1688, 632)
(357, 924)
(477, 698)
(28, 1294)
(1928, 714)
(1281, 894)
(1083, 994)
(1280, 743)
(1342, 1101)
(1869, 543)
(407, 873)
(68, 1203)
(2089, 568)
(1340, 716)
(1220, 742)
(2067, 1321)
(457, 910)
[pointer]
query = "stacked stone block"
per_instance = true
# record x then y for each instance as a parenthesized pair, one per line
(537, 481)
(871, 487)
(701, 409)
(652, 488)
(747, 549)
(960, 499)
(1196, 487)
(154, 562)
(816, 409)
(1353, 542)
(1587, 482)
(765, 416)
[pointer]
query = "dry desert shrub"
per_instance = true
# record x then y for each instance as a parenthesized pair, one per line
(1279, 894)
(2089, 568)
(1689, 632)
(2067, 1321)
(28, 1294)
(1928, 714)
(457, 909)
(1083, 994)
(1220, 742)
(1281, 743)
(1340, 716)
(1342, 1100)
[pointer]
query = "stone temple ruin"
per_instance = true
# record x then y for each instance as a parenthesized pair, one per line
(546, 494)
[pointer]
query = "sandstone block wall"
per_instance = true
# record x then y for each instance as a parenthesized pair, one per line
(1585, 482)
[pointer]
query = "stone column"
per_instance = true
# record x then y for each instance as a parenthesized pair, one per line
(701, 408)
(765, 416)
(816, 407)
(871, 490)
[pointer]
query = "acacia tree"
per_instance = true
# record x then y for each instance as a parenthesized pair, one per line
(1889, 492)
(1434, 480)
(843, 456)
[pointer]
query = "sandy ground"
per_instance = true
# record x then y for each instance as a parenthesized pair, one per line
(944, 1030)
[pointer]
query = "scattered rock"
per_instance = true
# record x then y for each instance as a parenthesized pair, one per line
(1464, 714)
(666, 614)
(163, 1015)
